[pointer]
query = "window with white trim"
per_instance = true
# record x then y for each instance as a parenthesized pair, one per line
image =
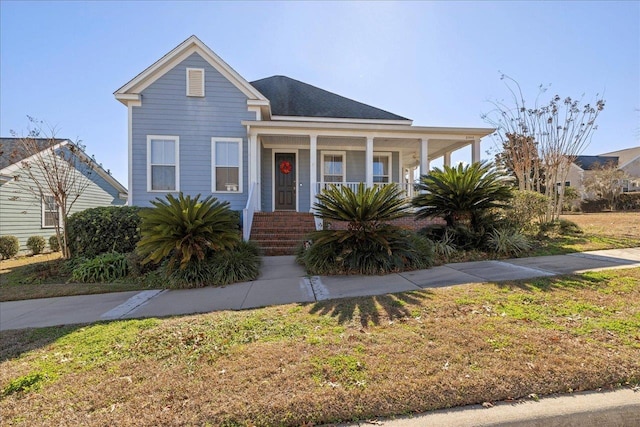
(333, 166)
(50, 212)
(381, 167)
(195, 82)
(163, 163)
(226, 160)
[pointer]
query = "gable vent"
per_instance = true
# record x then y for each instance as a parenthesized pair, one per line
(195, 81)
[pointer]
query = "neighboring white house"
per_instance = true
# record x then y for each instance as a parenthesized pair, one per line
(197, 126)
(627, 160)
(24, 214)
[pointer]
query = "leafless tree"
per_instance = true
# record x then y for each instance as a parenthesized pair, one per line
(605, 182)
(53, 167)
(559, 130)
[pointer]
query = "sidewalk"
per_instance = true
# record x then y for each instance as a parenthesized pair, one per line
(620, 408)
(282, 281)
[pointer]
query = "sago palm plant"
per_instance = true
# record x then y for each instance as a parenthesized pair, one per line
(369, 244)
(185, 228)
(461, 194)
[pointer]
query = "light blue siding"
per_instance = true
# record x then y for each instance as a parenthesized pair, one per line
(21, 209)
(166, 110)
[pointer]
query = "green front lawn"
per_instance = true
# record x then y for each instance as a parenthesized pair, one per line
(341, 360)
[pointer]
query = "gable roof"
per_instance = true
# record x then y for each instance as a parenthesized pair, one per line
(191, 45)
(11, 150)
(290, 97)
(593, 162)
(625, 156)
(12, 153)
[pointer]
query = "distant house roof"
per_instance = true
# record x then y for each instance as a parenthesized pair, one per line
(290, 97)
(12, 151)
(593, 162)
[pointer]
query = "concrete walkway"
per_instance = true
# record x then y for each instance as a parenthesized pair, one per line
(620, 408)
(283, 281)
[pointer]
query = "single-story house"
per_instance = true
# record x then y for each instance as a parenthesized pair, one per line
(627, 160)
(196, 126)
(23, 212)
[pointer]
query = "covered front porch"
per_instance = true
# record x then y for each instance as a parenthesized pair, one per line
(291, 162)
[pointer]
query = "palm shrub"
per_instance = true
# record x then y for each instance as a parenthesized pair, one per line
(462, 194)
(184, 229)
(369, 244)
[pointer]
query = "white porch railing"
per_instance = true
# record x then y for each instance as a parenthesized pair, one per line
(247, 212)
(406, 187)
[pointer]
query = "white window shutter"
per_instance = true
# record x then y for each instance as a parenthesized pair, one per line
(195, 82)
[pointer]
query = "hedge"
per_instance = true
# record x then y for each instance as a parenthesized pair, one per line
(105, 229)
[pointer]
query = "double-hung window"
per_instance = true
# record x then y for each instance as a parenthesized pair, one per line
(226, 158)
(50, 212)
(333, 166)
(163, 163)
(381, 167)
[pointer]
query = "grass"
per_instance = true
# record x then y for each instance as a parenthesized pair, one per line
(331, 361)
(43, 276)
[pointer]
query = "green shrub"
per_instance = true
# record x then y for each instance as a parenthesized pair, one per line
(194, 274)
(369, 244)
(628, 202)
(445, 247)
(461, 194)
(36, 244)
(184, 228)
(240, 264)
(562, 227)
(508, 242)
(103, 268)
(528, 209)
(54, 244)
(9, 246)
(104, 229)
(136, 267)
(406, 251)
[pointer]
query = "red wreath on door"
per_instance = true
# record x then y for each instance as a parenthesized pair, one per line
(285, 167)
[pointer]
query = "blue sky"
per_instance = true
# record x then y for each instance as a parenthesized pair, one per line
(437, 63)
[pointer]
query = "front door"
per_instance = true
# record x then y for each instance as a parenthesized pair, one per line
(285, 182)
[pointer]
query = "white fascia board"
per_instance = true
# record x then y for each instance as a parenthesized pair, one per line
(340, 129)
(177, 55)
(127, 98)
(341, 120)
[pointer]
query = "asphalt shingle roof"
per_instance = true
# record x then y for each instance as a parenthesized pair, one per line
(593, 162)
(290, 97)
(12, 151)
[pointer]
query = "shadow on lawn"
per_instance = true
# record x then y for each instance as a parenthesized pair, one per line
(555, 283)
(372, 309)
(16, 342)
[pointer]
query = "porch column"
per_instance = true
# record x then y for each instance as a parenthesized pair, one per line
(447, 158)
(368, 161)
(254, 166)
(475, 153)
(313, 168)
(424, 156)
